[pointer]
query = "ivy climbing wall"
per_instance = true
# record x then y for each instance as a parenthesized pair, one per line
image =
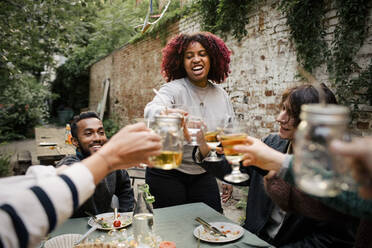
(263, 65)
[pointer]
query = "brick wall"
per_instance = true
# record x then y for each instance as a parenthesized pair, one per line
(263, 64)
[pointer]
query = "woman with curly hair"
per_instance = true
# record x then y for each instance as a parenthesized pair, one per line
(193, 66)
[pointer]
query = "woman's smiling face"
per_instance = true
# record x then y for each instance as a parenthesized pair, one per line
(196, 62)
(286, 121)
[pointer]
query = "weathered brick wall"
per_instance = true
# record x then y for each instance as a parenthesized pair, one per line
(263, 65)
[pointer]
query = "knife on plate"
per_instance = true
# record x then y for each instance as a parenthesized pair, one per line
(210, 227)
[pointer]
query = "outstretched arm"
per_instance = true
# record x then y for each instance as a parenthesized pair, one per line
(261, 155)
(33, 210)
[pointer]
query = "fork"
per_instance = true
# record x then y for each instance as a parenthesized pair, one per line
(92, 229)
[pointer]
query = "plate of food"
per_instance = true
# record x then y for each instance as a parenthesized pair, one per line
(106, 221)
(232, 232)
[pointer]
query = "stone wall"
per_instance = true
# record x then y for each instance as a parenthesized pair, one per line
(263, 65)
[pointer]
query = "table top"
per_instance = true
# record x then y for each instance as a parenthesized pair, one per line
(174, 224)
(53, 136)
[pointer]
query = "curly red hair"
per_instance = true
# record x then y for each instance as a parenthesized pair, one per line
(172, 64)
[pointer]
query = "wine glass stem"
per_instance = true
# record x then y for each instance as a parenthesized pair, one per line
(213, 153)
(235, 166)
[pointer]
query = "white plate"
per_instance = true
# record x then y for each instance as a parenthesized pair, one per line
(62, 241)
(125, 219)
(232, 231)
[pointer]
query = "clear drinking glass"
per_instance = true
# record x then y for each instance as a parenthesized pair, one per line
(193, 123)
(234, 133)
(169, 127)
(213, 127)
(317, 170)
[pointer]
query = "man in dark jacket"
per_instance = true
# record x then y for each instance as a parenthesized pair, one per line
(88, 136)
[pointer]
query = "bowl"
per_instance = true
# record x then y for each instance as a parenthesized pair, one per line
(62, 241)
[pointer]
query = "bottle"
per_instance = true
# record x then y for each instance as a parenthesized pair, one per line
(143, 217)
(68, 135)
(316, 169)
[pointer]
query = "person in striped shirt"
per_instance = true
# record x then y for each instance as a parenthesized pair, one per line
(33, 205)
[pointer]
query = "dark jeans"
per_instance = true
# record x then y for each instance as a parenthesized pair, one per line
(172, 187)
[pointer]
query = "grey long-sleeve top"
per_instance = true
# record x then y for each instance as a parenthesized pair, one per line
(215, 105)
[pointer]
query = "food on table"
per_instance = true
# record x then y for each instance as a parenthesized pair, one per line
(117, 223)
(167, 244)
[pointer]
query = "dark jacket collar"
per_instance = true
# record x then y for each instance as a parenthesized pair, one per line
(80, 155)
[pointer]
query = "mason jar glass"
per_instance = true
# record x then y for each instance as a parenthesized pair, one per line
(317, 171)
(169, 127)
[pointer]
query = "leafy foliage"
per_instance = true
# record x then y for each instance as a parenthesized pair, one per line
(350, 35)
(305, 18)
(31, 33)
(224, 16)
(111, 127)
(113, 27)
(5, 166)
(23, 105)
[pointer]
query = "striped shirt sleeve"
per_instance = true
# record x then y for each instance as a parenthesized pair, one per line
(28, 215)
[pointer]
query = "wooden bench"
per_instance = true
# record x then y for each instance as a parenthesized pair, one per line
(23, 161)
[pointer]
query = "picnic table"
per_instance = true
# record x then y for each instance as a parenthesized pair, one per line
(174, 224)
(50, 145)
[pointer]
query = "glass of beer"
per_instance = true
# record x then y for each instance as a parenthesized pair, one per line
(213, 127)
(169, 127)
(234, 133)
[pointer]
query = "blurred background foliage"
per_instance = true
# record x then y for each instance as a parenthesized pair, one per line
(46, 49)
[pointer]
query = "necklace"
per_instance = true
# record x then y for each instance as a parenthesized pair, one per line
(201, 97)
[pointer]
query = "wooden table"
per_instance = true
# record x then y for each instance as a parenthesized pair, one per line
(174, 224)
(49, 154)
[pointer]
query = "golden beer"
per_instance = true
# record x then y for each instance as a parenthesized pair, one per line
(168, 160)
(229, 141)
(211, 136)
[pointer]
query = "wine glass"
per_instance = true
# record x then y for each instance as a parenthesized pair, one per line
(212, 128)
(194, 123)
(234, 133)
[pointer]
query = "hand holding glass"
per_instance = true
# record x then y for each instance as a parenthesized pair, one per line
(234, 133)
(169, 127)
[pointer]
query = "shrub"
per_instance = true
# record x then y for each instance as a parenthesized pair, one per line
(23, 105)
(111, 127)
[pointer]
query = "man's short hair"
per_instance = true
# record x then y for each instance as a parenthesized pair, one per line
(81, 116)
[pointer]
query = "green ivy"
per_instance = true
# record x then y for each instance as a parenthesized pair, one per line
(350, 35)
(226, 16)
(305, 19)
